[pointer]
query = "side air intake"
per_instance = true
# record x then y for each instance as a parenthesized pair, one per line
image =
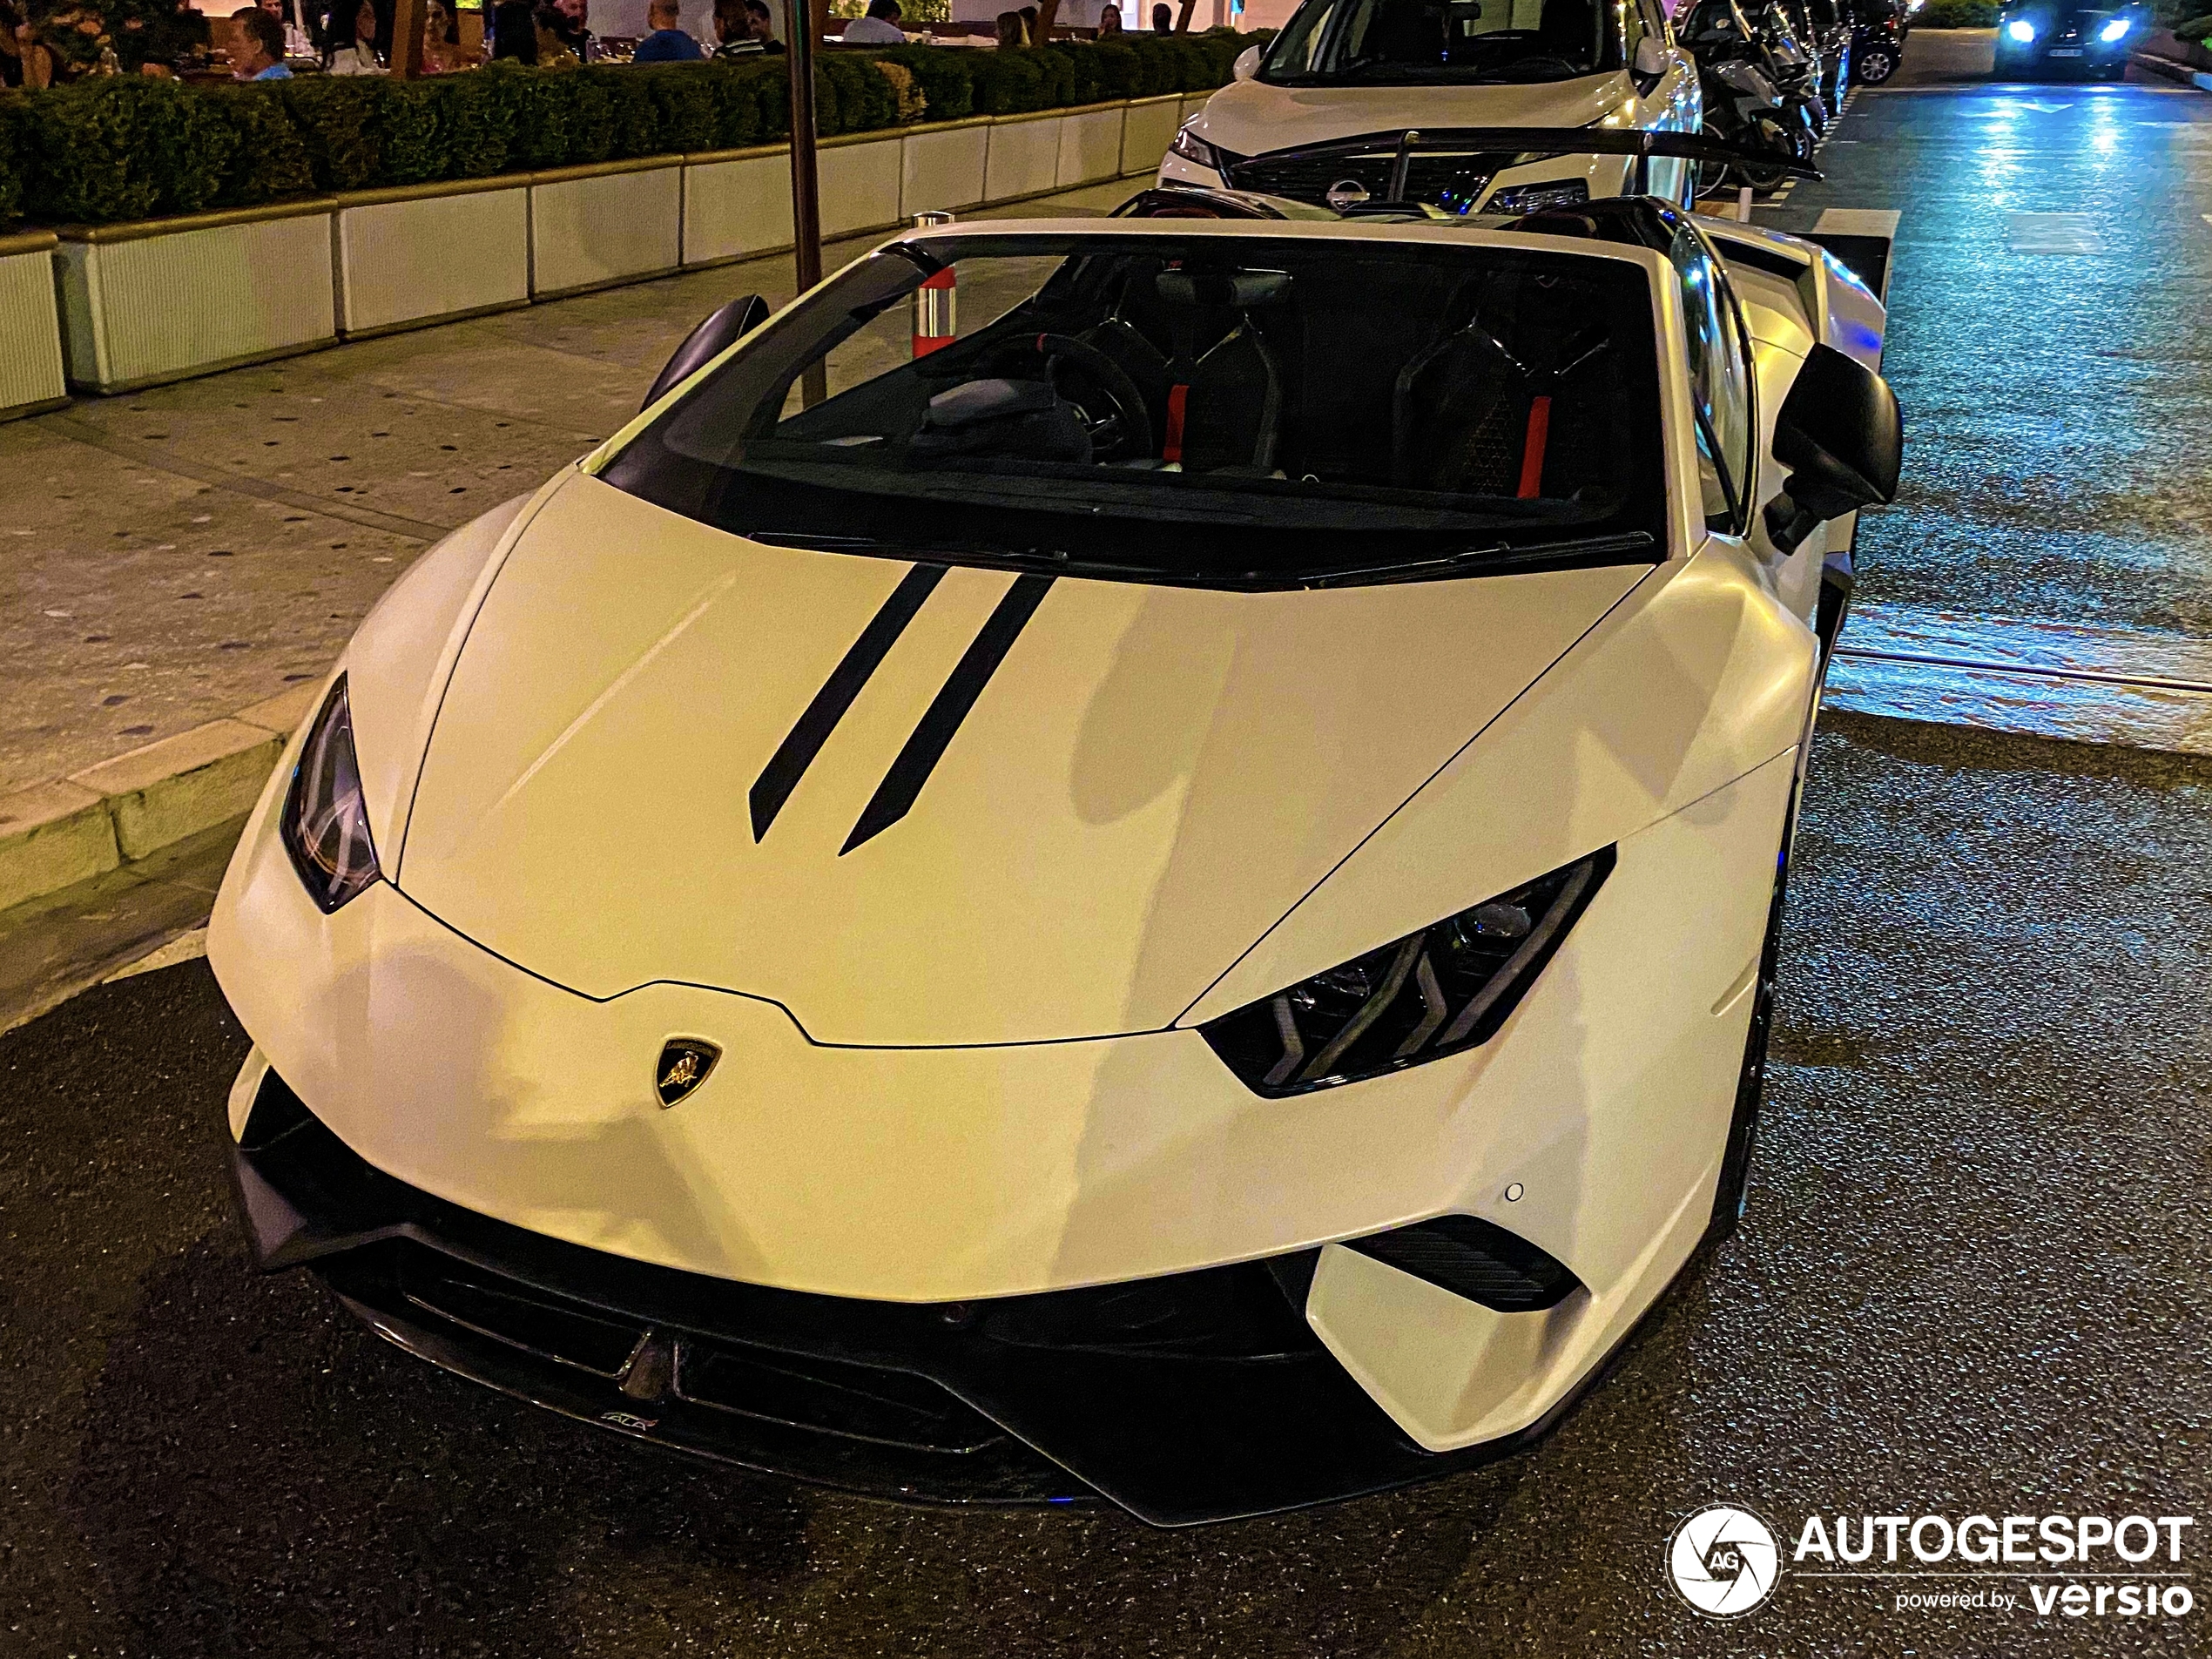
(1470, 1257)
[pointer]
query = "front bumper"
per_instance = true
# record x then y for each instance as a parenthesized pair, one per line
(1196, 1397)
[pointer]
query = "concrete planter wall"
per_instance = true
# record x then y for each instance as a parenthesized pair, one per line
(168, 298)
(1023, 158)
(943, 168)
(30, 334)
(145, 303)
(396, 253)
(591, 227)
(737, 204)
(1147, 130)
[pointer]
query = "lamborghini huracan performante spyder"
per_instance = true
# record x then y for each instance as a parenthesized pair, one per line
(1130, 857)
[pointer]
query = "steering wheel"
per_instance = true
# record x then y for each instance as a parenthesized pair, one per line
(1107, 401)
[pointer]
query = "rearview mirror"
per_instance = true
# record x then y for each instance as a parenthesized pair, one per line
(1247, 64)
(710, 339)
(1841, 436)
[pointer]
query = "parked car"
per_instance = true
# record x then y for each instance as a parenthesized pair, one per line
(1879, 31)
(1316, 114)
(2050, 38)
(1132, 857)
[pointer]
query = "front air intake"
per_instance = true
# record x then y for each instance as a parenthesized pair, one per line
(1470, 1258)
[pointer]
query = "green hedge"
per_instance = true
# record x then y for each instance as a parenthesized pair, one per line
(1957, 14)
(102, 150)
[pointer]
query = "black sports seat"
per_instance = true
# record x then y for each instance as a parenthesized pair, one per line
(1225, 405)
(1512, 398)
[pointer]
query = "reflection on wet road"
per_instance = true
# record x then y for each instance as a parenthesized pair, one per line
(2047, 344)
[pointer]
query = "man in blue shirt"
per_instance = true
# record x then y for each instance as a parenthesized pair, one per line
(257, 53)
(667, 43)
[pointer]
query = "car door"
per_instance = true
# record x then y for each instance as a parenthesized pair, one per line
(1667, 102)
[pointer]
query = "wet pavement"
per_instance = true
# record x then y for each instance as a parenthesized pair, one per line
(1972, 1278)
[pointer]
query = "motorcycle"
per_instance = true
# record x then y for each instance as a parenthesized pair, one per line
(1795, 68)
(1743, 104)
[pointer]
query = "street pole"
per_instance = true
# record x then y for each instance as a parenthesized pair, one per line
(408, 18)
(806, 191)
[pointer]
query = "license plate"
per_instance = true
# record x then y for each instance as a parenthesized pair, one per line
(2066, 52)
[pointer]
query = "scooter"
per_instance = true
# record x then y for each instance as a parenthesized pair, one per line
(1742, 104)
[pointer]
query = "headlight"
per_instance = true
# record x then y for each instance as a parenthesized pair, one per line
(2020, 30)
(1437, 992)
(1191, 147)
(326, 822)
(2112, 31)
(1534, 198)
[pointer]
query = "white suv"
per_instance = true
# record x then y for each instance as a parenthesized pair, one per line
(1321, 114)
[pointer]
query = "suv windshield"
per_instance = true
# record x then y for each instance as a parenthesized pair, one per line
(1187, 408)
(1409, 43)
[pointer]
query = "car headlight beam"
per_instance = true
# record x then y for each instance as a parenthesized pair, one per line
(2114, 30)
(325, 828)
(2021, 31)
(1446, 988)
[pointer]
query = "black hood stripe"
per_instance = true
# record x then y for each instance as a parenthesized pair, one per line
(796, 751)
(894, 796)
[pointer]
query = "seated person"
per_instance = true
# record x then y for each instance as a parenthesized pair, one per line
(668, 44)
(256, 51)
(880, 28)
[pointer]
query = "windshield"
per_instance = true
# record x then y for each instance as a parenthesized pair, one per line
(1407, 43)
(1187, 408)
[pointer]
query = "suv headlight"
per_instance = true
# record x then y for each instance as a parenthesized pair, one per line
(1191, 147)
(324, 827)
(2114, 30)
(2021, 29)
(1446, 989)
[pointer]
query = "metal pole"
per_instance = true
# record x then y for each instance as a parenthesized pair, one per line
(806, 186)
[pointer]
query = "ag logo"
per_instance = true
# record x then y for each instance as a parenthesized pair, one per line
(685, 1064)
(1723, 1561)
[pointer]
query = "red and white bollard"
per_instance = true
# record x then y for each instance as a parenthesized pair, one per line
(936, 317)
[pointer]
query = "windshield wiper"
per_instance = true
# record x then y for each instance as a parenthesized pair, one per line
(1051, 558)
(1498, 555)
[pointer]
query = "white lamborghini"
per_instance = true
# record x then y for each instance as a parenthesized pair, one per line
(1132, 857)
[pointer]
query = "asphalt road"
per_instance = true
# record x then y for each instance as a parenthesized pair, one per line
(2047, 341)
(1972, 1278)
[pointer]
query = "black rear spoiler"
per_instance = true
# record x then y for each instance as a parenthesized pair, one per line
(1531, 142)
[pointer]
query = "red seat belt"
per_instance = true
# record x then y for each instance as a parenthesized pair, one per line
(1531, 449)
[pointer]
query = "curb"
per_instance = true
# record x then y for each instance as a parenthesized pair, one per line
(2186, 74)
(55, 835)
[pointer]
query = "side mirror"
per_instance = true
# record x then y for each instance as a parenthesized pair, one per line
(1651, 58)
(1247, 64)
(710, 339)
(1840, 435)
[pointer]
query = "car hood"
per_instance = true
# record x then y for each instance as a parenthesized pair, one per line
(1252, 117)
(1148, 780)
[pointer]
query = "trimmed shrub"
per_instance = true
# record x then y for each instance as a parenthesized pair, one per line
(944, 75)
(476, 115)
(1957, 14)
(270, 159)
(13, 118)
(124, 147)
(684, 117)
(337, 117)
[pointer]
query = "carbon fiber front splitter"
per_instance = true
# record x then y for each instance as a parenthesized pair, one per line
(1194, 1397)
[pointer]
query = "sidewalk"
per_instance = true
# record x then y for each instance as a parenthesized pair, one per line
(179, 566)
